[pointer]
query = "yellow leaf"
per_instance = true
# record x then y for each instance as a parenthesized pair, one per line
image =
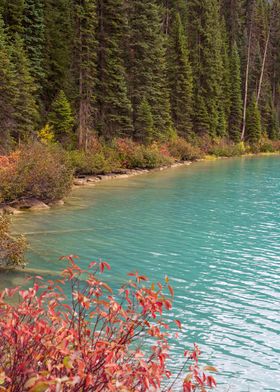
(188, 377)
(67, 363)
(166, 279)
(210, 369)
(29, 383)
(41, 386)
(153, 287)
(2, 378)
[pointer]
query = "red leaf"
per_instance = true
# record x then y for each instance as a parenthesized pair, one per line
(171, 290)
(178, 322)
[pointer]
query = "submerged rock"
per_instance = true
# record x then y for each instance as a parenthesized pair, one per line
(29, 204)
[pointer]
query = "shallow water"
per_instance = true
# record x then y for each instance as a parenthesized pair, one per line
(214, 228)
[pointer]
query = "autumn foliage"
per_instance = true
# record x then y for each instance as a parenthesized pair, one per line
(92, 340)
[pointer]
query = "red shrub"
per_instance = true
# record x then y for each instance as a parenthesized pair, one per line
(92, 341)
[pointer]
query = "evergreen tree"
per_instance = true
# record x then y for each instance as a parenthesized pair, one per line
(25, 107)
(13, 16)
(225, 83)
(235, 118)
(34, 37)
(253, 124)
(147, 64)
(204, 33)
(144, 123)
(85, 64)
(58, 48)
(6, 90)
(114, 106)
(234, 13)
(201, 115)
(61, 118)
(180, 79)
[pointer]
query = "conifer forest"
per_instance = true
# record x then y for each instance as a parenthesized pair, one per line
(140, 69)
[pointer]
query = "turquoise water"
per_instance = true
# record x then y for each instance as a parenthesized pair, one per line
(214, 228)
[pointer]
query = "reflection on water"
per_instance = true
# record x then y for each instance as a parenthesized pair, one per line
(213, 228)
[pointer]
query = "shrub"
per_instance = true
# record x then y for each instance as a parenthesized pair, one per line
(93, 163)
(92, 341)
(39, 171)
(133, 155)
(181, 150)
(11, 249)
(225, 148)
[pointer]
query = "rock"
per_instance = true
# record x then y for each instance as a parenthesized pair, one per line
(29, 204)
(93, 179)
(80, 181)
(56, 203)
(11, 211)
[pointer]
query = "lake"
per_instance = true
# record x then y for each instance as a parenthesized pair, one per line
(213, 228)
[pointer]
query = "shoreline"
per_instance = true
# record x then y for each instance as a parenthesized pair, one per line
(33, 204)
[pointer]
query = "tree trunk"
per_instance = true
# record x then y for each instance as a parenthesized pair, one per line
(263, 65)
(246, 84)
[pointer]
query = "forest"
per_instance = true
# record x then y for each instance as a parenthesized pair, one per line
(147, 70)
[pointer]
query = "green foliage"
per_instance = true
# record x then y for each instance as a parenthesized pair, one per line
(61, 118)
(205, 42)
(114, 114)
(26, 114)
(150, 70)
(180, 79)
(12, 249)
(46, 135)
(58, 48)
(13, 12)
(40, 171)
(144, 122)
(147, 67)
(93, 163)
(235, 118)
(34, 37)
(253, 125)
(6, 91)
(85, 64)
(224, 148)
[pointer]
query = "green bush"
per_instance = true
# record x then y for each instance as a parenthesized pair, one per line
(40, 171)
(93, 163)
(227, 149)
(11, 249)
(181, 150)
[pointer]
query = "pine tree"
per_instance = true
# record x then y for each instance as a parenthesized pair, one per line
(114, 107)
(6, 90)
(201, 115)
(85, 61)
(253, 124)
(224, 111)
(58, 48)
(147, 65)
(13, 16)
(180, 79)
(144, 123)
(205, 42)
(235, 118)
(34, 37)
(25, 107)
(61, 118)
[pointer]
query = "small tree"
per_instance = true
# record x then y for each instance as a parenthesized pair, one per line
(61, 118)
(144, 123)
(253, 125)
(11, 249)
